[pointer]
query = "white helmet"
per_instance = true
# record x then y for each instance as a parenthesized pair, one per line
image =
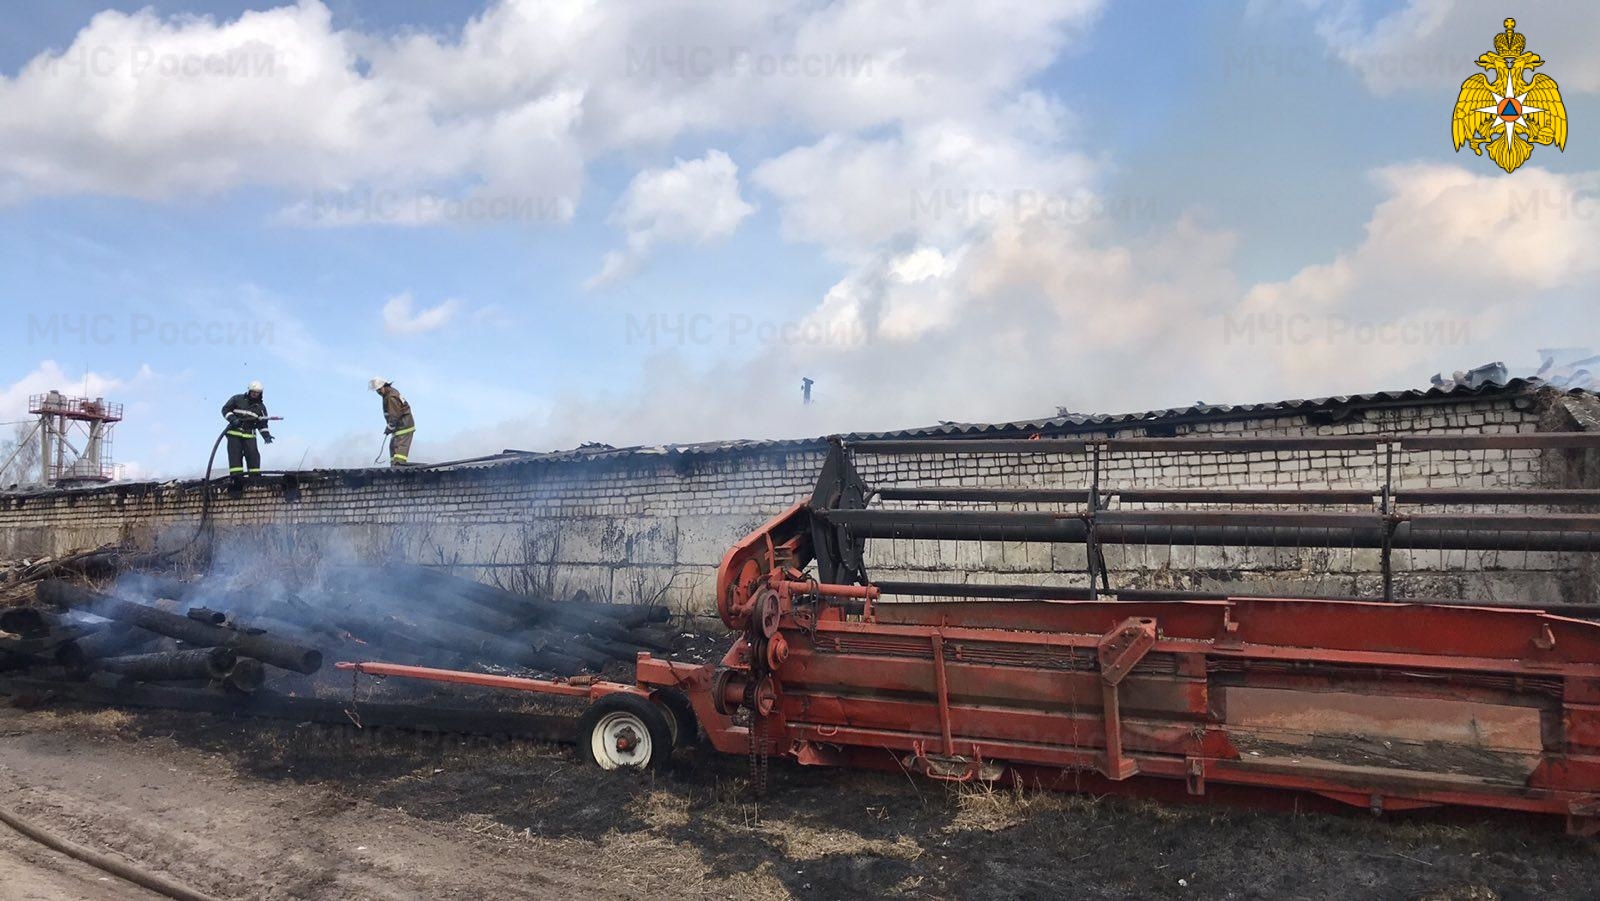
(377, 383)
(254, 386)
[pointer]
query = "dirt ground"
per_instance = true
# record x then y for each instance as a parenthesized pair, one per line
(262, 809)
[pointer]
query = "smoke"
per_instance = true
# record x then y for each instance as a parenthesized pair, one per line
(359, 594)
(1569, 368)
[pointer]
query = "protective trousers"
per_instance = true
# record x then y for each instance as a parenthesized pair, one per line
(400, 446)
(242, 452)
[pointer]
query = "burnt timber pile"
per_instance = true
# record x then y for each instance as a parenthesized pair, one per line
(149, 640)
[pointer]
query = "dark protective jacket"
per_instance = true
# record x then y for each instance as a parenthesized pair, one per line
(396, 412)
(245, 426)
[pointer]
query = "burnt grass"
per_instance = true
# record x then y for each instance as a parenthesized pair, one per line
(826, 833)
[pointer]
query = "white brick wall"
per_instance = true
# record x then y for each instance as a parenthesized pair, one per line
(633, 526)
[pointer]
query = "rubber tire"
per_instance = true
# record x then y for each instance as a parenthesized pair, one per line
(654, 719)
(678, 706)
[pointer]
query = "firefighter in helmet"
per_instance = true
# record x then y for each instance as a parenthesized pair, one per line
(247, 415)
(399, 425)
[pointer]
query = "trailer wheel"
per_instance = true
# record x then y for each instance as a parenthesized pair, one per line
(624, 731)
(680, 715)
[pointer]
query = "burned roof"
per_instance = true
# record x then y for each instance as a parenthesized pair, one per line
(1344, 403)
(1332, 408)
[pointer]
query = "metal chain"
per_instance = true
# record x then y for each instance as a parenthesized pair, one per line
(766, 763)
(759, 756)
(352, 712)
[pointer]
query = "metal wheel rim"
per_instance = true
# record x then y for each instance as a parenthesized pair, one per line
(673, 726)
(613, 728)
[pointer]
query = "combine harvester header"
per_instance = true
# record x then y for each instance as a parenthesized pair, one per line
(1381, 704)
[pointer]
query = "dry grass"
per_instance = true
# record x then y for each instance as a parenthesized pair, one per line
(663, 810)
(987, 807)
(644, 858)
(107, 722)
(801, 842)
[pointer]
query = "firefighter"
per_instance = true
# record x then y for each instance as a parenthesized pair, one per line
(246, 415)
(399, 424)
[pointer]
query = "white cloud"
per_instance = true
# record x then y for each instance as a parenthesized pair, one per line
(1456, 268)
(1432, 44)
(400, 316)
(694, 202)
(49, 376)
(499, 121)
(940, 181)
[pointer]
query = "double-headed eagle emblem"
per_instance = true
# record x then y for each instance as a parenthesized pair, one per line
(1505, 111)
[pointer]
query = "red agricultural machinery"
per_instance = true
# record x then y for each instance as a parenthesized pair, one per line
(1381, 703)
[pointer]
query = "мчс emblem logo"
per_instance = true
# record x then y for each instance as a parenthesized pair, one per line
(1503, 109)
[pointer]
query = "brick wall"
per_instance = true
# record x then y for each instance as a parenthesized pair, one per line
(647, 525)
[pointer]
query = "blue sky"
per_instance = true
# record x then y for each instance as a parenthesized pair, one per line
(554, 222)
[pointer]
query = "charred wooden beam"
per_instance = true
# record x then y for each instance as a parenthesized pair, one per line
(285, 630)
(631, 616)
(27, 622)
(644, 639)
(57, 645)
(114, 639)
(246, 675)
(201, 663)
(521, 607)
(265, 648)
(588, 650)
(424, 636)
(615, 650)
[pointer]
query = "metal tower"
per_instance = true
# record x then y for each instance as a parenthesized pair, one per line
(63, 423)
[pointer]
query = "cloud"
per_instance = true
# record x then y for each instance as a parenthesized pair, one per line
(694, 202)
(941, 181)
(1455, 268)
(49, 376)
(1432, 44)
(400, 317)
(497, 121)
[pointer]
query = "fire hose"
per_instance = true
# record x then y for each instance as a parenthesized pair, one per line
(155, 882)
(205, 490)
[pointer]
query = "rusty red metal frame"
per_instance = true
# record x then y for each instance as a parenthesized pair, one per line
(1225, 697)
(1235, 698)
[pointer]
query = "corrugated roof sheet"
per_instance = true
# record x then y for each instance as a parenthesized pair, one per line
(1096, 421)
(1053, 425)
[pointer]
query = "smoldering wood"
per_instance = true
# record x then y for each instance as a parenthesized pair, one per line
(523, 607)
(265, 648)
(114, 639)
(245, 675)
(200, 663)
(588, 651)
(26, 622)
